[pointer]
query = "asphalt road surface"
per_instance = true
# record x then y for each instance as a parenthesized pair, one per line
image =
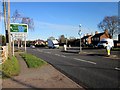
(89, 70)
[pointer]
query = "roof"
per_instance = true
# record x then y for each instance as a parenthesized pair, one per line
(98, 35)
(86, 36)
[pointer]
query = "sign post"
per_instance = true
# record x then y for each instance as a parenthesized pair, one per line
(18, 31)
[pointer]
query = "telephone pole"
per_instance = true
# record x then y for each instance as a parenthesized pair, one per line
(8, 27)
(6, 9)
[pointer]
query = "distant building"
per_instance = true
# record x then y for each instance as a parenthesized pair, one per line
(39, 42)
(117, 42)
(119, 37)
(86, 40)
(99, 36)
(0, 40)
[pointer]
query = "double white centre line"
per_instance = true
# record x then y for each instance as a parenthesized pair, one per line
(85, 61)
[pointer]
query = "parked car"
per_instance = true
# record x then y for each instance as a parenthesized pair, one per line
(32, 46)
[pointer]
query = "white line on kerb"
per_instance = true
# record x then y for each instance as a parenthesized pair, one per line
(84, 61)
(117, 68)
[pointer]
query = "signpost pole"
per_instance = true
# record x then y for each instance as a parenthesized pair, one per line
(25, 43)
(18, 43)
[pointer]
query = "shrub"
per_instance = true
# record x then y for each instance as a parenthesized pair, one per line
(10, 67)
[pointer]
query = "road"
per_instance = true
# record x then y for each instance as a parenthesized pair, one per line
(88, 70)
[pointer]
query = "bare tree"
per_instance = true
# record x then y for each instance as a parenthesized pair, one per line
(17, 17)
(110, 23)
(28, 21)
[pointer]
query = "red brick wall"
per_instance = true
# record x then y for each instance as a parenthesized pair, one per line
(104, 36)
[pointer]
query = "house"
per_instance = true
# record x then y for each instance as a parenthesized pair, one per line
(117, 42)
(119, 37)
(0, 40)
(99, 36)
(86, 40)
(39, 42)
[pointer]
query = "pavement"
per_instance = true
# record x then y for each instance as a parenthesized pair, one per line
(44, 77)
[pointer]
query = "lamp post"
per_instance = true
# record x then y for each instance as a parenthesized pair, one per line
(79, 33)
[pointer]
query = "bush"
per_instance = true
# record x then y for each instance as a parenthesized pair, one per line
(10, 67)
(32, 61)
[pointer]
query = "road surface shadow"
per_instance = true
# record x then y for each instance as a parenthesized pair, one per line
(71, 51)
(96, 55)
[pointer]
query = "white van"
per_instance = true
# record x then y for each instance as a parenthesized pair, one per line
(53, 43)
(102, 43)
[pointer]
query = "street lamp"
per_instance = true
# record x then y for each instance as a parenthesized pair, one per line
(79, 33)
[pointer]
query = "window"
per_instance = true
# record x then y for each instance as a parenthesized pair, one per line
(98, 39)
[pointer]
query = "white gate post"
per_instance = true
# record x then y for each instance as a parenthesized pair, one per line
(13, 44)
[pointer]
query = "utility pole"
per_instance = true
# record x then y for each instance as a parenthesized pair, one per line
(5, 20)
(8, 27)
(6, 7)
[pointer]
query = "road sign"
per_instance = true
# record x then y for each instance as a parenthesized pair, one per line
(18, 28)
(18, 31)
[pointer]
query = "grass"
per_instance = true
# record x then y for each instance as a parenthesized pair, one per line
(32, 61)
(116, 49)
(10, 68)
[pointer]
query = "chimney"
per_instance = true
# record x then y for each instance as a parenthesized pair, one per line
(96, 32)
(87, 34)
(92, 34)
(106, 31)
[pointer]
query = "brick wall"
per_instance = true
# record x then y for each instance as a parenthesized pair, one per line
(4, 53)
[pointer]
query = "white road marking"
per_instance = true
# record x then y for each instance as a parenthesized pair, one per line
(60, 55)
(84, 61)
(48, 52)
(39, 50)
(57, 54)
(63, 56)
(117, 68)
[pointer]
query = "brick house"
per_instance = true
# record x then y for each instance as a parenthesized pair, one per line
(0, 40)
(119, 37)
(117, 42)
(98, 36)
(39, 42)
(86, 40)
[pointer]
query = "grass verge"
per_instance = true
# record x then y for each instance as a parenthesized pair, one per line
(116, 49)
(10, 68)
(32, 61)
